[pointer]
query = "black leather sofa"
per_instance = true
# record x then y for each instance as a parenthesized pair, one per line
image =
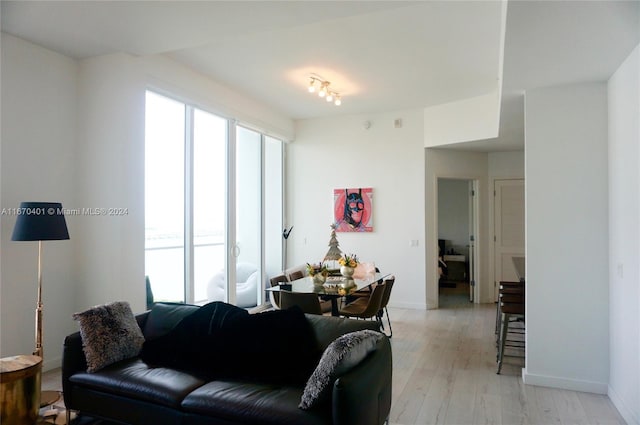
(131, 392)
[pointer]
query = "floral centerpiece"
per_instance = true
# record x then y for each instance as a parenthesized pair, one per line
(349, 260)
(318, 272)
(348, 263)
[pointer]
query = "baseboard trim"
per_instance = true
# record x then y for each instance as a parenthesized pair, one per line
(564, 383)
(627, 414)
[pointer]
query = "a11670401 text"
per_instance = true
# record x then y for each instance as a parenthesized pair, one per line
(90, 211)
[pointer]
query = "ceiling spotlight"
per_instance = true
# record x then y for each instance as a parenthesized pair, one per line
(323, 90)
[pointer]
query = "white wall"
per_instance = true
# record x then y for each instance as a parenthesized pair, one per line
(38, 152)
(624, 234)
(567, 237)
(440, 163)
(506, 165)
(80, 127)
(480, 115)
(110, 260)
(338, 152)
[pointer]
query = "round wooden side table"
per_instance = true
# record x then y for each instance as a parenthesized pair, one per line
(20, 378)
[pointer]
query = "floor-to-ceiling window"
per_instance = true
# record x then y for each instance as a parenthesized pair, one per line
(207, 200)
(164, 196)
(213, 206)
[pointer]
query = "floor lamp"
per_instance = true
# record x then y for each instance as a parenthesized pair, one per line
(40, 221)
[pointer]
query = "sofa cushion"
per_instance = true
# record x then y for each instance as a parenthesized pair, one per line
(283, 337)
(133, 378)
(110, 333)
(165, 316)
(222, 341)
(186, 345)
(253, 403)
(340, 356)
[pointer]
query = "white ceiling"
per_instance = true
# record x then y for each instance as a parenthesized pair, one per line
(380, 55)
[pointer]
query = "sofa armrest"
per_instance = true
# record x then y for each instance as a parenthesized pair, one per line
(74, 360)
(363, 395)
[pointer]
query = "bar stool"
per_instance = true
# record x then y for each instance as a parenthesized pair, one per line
(511, 307)
(506, 287)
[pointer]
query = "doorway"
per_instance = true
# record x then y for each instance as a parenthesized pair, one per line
(509, 230)
(457, 224)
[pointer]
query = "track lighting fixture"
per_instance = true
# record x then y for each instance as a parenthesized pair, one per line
(324, 90)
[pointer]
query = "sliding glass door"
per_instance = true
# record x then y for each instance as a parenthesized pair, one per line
(248, 202)
(213, 213)
(164, 197)
(209, 206)
(273, 205)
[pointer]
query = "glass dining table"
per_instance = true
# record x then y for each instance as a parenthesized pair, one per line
(333, 289)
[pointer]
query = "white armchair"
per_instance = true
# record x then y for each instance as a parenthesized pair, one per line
(246, 286)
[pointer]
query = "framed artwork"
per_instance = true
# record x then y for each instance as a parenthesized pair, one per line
(353, 210)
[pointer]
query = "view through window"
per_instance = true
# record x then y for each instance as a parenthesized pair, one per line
(188, 176)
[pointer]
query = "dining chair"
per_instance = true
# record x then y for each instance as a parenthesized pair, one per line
(274, 297)
(363, 299)
(308, 302)
(388, 284)
(298, 274)
(511, 304)
(325, 305)
(366, 308)
(364, 292)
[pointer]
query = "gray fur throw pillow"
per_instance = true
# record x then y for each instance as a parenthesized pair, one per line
(340, 356)
(110, 333)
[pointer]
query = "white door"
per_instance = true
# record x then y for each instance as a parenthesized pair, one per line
(509, 229)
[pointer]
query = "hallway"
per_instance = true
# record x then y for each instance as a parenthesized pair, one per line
(445, 373)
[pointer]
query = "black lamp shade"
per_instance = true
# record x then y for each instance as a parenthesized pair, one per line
(40, 221)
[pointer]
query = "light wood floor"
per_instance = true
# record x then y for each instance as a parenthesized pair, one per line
(444, 372)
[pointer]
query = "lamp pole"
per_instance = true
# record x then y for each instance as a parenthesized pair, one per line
(38, 351)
